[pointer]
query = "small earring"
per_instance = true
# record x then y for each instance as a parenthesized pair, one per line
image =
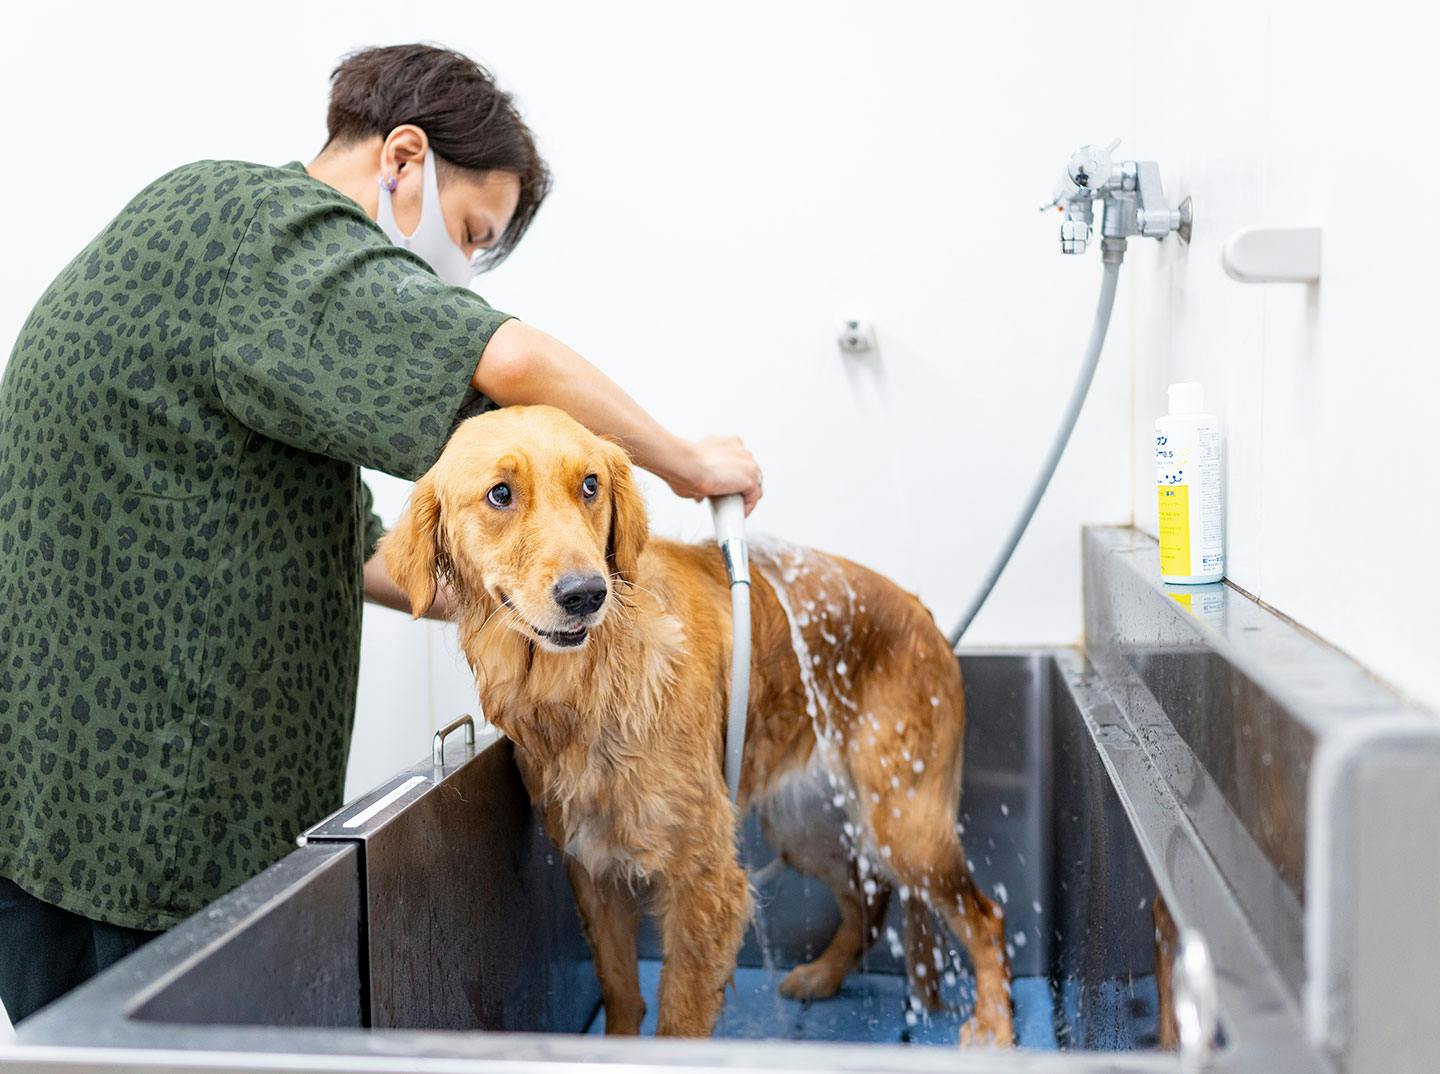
(391, 183)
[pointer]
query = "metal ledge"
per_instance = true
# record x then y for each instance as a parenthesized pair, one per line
(1313, 786)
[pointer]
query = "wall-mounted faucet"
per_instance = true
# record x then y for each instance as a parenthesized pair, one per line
(1131, 198)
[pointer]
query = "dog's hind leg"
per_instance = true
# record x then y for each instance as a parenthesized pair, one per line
(861, 915)
(703, 914)
(980, 925)
(926, 856)
(1167, 939)
(809, 831)
(610, 915)
(922, 968)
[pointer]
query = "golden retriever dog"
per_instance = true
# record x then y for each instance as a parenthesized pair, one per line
(604, 655)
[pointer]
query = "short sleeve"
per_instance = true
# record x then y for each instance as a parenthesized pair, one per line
(334, 341)
(374, 529)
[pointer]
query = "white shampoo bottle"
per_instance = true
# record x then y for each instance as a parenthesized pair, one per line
(1188, 475)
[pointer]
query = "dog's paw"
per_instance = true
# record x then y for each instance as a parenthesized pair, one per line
(990, 1032)
(813, 980)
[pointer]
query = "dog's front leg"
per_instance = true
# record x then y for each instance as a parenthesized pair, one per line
(610, 914)
(702, 923)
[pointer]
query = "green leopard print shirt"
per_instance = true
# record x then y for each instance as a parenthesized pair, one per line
(183, 525)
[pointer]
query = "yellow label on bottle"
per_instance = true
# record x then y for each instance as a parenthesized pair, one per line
(1182, 599)
(1175, 530)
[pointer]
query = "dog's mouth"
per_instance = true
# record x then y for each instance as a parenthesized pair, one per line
(562, 639)
(566, 639)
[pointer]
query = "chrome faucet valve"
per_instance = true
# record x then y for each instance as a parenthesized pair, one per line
(1130, 197)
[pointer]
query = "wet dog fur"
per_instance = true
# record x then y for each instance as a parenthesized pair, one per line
(617, 710)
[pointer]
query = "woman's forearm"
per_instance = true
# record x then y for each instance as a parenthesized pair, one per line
(380, 589)
(523, 365)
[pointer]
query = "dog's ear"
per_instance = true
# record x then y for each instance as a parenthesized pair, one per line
(629, 523)
(412, 548)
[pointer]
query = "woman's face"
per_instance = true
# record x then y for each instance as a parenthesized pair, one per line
(477, 206)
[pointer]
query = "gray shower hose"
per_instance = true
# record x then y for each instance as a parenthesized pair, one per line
(1113, 252)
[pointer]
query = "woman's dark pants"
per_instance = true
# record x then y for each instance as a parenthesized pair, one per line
(46, 951)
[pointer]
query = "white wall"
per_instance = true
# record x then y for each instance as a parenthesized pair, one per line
(1295, 113)
(735, 177)
(732, 179)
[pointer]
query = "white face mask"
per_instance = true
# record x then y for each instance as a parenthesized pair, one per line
(429, 241)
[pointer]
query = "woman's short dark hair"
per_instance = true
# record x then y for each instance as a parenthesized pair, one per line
(470, 121)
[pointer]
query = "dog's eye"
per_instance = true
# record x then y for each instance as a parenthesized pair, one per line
(499, 496)
(590, 486)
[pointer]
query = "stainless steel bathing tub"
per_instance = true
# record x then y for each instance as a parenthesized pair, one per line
(446, 909)
(428, 925)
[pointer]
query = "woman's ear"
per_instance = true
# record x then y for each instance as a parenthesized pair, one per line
(406, 144)
(411, 549)
(629, 523)
(401, 156)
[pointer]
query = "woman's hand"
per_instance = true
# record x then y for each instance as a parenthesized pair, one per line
(716, 466)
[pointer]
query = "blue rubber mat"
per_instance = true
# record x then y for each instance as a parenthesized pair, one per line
(872, 1007)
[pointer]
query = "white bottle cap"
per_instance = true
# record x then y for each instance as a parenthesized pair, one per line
(1187, 398)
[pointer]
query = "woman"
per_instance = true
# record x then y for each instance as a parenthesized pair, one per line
(183, 530)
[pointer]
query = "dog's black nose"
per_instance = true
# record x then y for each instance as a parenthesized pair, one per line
(580, 594)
